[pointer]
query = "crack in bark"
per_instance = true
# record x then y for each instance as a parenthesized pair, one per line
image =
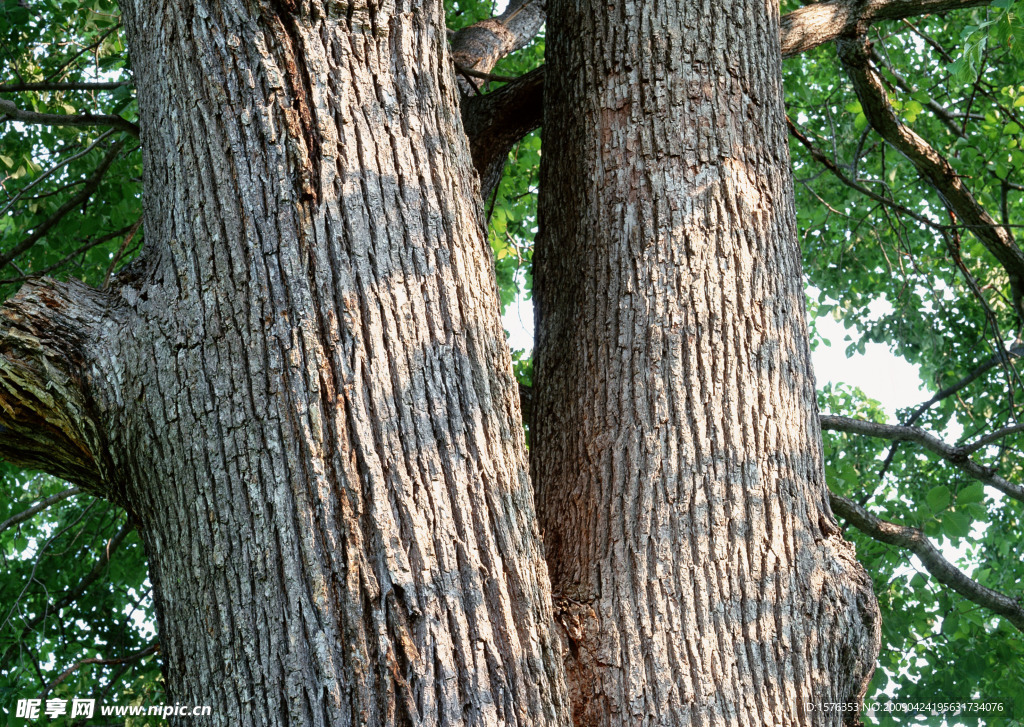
(300, 86)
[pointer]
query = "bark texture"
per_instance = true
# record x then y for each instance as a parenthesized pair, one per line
(303, 386)
(698, 573)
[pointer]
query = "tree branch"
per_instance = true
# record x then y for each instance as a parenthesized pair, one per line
(33, 117)
(68, 598)
(84, 247)
(134, 656)
(67, 86)
(47, 419)
(91, 185)
(930, 165)
(822, 158)
(812, 25)
(52, 170)
(941, 569)
(495, 121)
(480, 46)
(932, 105)
(38, 507)
(998, 357)
(956, 456)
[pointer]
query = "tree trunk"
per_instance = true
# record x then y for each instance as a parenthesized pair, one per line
(302, 390)
(697, 570)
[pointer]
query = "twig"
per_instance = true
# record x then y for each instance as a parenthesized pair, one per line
(69, 86)
(151, 649)
(38, 507)
(120, 251)
(55, 168)
(92, 183)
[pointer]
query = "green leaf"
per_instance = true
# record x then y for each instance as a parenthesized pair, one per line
(971, 493)
(956, 524)
(938, 498)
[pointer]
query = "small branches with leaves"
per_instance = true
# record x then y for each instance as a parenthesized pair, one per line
(934, 562)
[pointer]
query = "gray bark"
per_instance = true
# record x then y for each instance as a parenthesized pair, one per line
(301, 392)
(698, 573)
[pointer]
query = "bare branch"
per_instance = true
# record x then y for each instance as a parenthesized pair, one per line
(931, 166)
(129, 234)
(956, 456)
(37, 508)
(999, 356)
(992, 437)
(91, 184)
(948, 391)
(33, 117)
(75, 593)
(53, 169)
(85, 247)
(941, 569)
(822, 158)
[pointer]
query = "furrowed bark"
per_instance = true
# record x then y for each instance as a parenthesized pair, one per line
(698, 573)
(303, 385)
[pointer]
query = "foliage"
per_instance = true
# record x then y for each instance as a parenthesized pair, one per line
(954, 79)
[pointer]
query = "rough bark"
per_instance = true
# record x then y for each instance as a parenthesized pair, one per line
(303, 388)
(697, 569)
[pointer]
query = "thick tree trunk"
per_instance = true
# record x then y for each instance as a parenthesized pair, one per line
(696, 566)
(303, 391)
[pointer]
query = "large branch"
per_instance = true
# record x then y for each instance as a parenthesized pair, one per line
(496, 121)
(812, 25)
(47, 418)
(941, 569)
(957, 456)
(930, 165)
(480, 46)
